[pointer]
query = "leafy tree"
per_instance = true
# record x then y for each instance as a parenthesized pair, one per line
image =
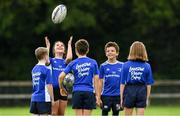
(24, 23)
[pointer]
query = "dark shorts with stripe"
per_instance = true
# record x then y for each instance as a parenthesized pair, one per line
(135, 96)
(40, 107)
(83, 100)
(110, 102)
(58, 96)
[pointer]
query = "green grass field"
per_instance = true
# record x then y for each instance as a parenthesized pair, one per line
(150, 111)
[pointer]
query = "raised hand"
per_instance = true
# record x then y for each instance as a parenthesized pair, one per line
(70, 40)
(47, 42)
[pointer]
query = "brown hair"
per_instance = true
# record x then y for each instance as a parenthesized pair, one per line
(40, 52)
(53, 49)
(138, 52)
(112, 44)
(82, 46)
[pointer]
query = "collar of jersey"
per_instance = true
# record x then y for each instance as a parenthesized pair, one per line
(83, 57)
(58, 58)
(40, 64)
(112, 63)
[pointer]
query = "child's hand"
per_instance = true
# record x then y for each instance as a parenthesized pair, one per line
(98, 101)
(70, 40)
(121, 104)
(147, 102)
(47, 42)
(63, 91)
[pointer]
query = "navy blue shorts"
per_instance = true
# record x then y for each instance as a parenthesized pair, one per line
(135, 96)
(58, 96)
(83, 100)
(40, 107)
(110, 102)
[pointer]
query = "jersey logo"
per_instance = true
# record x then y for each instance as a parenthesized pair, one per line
(83, 69)
(119, 69)
(136, 72)
(113, 72)
(107, 69)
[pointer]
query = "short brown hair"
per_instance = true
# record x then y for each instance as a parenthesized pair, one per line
(112, 44)
(40, 52)
(138, 52)
(82, 46)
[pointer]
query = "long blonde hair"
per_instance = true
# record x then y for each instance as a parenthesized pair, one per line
(138, 52)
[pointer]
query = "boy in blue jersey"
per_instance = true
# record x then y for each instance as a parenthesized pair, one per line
(136, 80)
(42, 86)
(86, 72)
(109, 82)
(58, 64)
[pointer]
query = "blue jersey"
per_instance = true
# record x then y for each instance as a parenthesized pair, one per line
(41, 76)
(84, 70)
(111, 75)
(58, 65)
(136, 72)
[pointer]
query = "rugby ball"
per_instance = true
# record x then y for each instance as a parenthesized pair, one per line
(68, 82)
(59, 13)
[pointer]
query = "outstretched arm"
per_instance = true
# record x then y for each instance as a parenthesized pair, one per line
(69, 51)
(47, 43)
(47, 46)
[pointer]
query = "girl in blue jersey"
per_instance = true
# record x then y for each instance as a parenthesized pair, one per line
(42, 84)
(58, 64)
(86, 72)
(109, 82)
(136, 80)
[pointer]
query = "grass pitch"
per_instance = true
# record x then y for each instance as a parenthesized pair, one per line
(150, 111)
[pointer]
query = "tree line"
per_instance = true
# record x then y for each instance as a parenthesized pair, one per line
(24, 23)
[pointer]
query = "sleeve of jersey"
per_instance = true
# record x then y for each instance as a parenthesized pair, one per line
(68, 68)
(96, 70)
(48, 77)
(150, 79)
(101, 72)
(50, 60)
(123, 75)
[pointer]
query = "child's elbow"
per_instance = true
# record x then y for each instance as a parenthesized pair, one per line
(68, 60)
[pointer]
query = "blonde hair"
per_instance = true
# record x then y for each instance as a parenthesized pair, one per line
(40, 52)
(138, 52)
